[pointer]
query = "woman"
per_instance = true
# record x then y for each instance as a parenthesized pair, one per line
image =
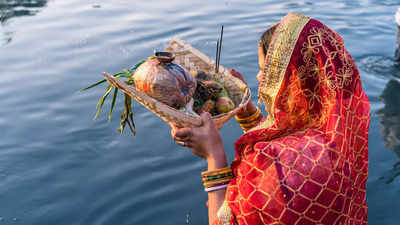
(307, 161)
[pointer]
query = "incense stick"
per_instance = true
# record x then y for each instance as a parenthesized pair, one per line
(216, 57)
(220, 45)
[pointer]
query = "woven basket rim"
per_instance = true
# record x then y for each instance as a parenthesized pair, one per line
(172, 115)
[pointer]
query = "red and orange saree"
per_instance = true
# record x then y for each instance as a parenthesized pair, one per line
(307, 163)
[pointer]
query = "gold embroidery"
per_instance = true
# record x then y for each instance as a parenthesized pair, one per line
(313, 96)
(276, 64)
(306, 98)
(344, 75)
(277, 59)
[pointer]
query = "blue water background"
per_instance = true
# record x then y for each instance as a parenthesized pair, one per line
(58, 166)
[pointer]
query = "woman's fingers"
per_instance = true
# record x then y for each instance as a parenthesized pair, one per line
(207, 121)
(206, 118)
(173, 127)
(237, 75)
(188, 144)
(173, 130)
(183, 133)
(181, 143)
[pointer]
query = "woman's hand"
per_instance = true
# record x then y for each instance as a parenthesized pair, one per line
(204, 141)
(250, 108)
(237, 75)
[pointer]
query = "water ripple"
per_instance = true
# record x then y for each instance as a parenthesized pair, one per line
(58, 166)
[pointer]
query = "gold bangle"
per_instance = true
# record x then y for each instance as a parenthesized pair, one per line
(248, 127)
(212, 182)
(218, 176)
(252, 123)
(253, 116)
(216, 172)
(217, 182)
(249, 123)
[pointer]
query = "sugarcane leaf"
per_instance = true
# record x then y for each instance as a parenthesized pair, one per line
(131, 124)
(94, 85)
(102, 81)
(132, 127)
(113, 102)
(121, 127)
(128, 107)
(123, 121)
(124, 115)
(127, 114)
(126, 73)
(108, 90)
(117, 74)
(102, 99)
(129, 82)
(137, 65)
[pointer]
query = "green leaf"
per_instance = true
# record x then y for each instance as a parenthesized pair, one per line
(126, 73)
(132, 127)
(123, 121)
(94, 85)
(137, 65)
(132, 122)
(102, 81)
(102, 99)
(129, 82)
(127, 114)
(128, 107)
(113, 102)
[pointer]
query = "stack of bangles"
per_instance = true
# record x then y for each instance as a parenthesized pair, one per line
(246, 123)
(216, 179)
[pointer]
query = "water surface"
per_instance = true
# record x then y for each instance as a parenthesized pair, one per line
(58, 166)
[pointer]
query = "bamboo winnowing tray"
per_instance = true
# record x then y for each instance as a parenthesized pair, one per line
(191, 59)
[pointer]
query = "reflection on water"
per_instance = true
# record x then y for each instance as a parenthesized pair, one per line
(390, 120)
(390, 114)
(17, 8)
(397, 52)
(377, 65)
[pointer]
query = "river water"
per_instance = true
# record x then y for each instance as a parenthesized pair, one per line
(58, 166)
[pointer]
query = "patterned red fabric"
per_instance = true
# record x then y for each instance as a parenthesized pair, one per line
(311, 165)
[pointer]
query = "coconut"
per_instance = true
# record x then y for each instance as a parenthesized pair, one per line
(165, 81)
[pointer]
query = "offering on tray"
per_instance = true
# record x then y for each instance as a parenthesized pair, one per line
(169, 83)
(211, 95)
(163, 85)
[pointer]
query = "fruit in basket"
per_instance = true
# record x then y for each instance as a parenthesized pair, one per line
(146, 89)
(208, 106)
(224, 102)
(211, 95)
(224, 105)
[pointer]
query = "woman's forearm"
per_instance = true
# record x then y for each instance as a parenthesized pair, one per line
(215, 198)
(249, 117)
(249, 109)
